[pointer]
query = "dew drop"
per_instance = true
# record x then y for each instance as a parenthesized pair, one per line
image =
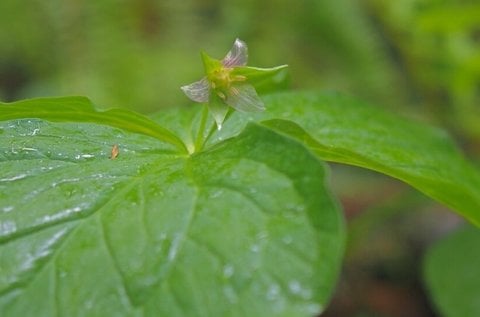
(7, 209)
(262, 235)
(306, 294)
(216, 194)
(287, 239)
(13, 178)
(230, 294)
(294, 287)
(29, 149)
(89, 304)
(291, 206)
(172, 252)
(228, 270)
(299, 208)
(314, 309)
(7, 227)
(273, 291)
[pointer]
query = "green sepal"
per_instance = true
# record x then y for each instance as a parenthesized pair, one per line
(210, 64)
(264, 79)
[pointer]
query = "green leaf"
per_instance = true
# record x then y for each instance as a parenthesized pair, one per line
(80, 109)
(341, 129)
(245, 228)
(451, 273)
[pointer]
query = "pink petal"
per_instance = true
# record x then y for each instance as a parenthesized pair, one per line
(243, 97)
(199, 91)
(237, 56)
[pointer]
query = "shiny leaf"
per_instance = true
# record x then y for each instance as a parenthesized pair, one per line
(342, 129)
(240, 229)
(80, 109)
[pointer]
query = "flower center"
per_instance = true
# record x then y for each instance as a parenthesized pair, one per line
(221, 79)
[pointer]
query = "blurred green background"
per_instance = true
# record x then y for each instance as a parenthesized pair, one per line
(419, 58)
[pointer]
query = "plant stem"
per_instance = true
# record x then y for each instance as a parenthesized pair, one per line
(200, 141)
(214, 128)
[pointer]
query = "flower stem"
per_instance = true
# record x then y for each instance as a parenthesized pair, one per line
(200, 141)
(214, 127)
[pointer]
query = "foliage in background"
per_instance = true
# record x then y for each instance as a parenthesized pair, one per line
(414, 55)
(451, 273)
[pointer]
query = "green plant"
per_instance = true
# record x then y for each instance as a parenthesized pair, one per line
(191, 220)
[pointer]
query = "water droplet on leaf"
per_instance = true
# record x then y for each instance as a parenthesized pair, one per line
(287, 239)
(273, 291)
(255, 248)
(294, 287)
(228, 270)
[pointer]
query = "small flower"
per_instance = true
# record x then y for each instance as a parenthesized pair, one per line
(226, 83)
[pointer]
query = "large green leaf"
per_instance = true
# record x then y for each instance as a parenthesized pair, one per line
(245, 228)
(451, 274)
(341, 129)
(158, 229)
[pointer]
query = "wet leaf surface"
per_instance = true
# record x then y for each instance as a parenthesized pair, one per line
(240, 229)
